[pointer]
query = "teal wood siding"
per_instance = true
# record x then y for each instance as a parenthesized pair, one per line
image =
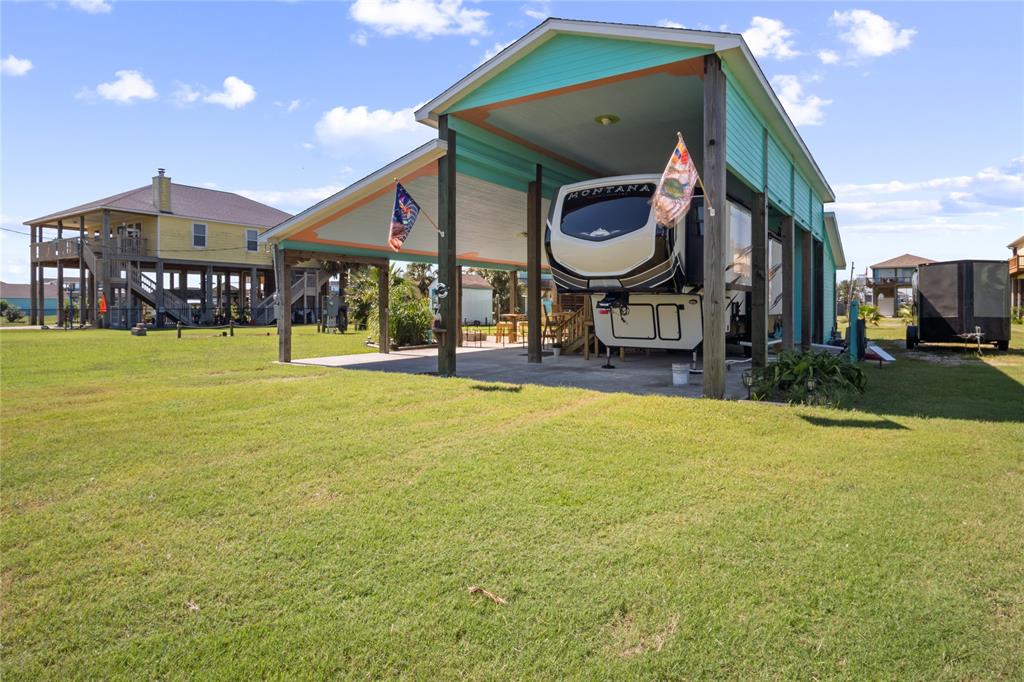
(744, 138)
(566, 60)
(818, 218)
(484, 155)
(801, 200)
(829, 273)
(780, 187)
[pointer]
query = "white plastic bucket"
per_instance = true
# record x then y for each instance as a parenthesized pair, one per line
(680, 374)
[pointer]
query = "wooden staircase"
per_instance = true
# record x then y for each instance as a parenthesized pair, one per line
(174, 306)
(265, 312)
(576, 331)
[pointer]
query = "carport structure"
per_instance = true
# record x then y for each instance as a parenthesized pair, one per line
(573, 100)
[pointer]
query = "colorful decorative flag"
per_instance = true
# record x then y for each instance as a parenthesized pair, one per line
(103, 304)
(403, 217)
(675, 190)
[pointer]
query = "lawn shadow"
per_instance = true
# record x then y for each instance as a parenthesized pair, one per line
(492, 388)
(853, 423)
(948, 382)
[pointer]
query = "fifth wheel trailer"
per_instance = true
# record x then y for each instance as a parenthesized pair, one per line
(956, 300)
(645, 280)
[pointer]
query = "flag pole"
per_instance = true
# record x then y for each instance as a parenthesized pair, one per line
(427, 216)
(708, 202)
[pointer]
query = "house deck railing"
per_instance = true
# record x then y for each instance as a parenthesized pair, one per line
(120, 247)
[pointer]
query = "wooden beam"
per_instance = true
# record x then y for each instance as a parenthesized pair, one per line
(446, 249)
(806, 289)
(284, 308)
(533, 246)
(383, 296)
(715, 309)
(513, 291)
(81, 270)
(208, 294)
(458, 306)
(298, 256)
(759, 281)
(104, 266)
(788, 282)
(33, 295)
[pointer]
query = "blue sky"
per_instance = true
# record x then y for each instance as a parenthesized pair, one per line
(914, 111)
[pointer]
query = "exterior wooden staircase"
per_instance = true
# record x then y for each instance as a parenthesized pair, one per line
(174, 306)
(265, 312)
(577, 330)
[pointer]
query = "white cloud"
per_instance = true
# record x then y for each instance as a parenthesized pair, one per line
(828, 56)
(236, 94)
(770, 38)
(289, 107)
(293, 199)
(668, 23)
(308, 145)
(341, 123)
(871, 35)
(493, 51)
(91, 6)
(360, 38)
(539, 11)
(803, 109)
(420, 18)
(129, 86)
(185, 94)
(13, 66)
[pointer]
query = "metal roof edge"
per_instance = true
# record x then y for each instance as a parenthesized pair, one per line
(835, 241)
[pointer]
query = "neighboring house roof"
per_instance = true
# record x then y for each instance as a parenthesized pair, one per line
(907, 260)
(473, 281)
(731, 47)
(186, 201)
(1016, 243)
(9, 290)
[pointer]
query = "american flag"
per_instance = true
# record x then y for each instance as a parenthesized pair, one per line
(403, 217)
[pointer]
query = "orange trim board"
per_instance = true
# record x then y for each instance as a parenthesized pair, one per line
(308, 234)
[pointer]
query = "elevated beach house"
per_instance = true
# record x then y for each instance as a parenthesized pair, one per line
(165, 253)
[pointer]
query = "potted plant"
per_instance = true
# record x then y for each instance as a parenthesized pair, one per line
(556, 348)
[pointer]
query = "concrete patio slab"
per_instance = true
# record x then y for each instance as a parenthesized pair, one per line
(637, 373)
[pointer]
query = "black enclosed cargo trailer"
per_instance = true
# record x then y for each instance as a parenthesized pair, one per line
(963, 300)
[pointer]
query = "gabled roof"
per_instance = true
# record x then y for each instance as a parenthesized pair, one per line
(907, 260)
(731, 47)
(186, 201)
(835, 243)
(471, 280)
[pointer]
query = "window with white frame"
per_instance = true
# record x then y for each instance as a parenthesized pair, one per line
(252, 240)
(198, 236)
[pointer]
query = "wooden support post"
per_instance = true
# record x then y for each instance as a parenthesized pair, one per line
(446, 249)
(806, 288)
(759, 281)
(715, 309)
(788, 282)
(33, 295)
(254, 285)
(104, 267)
(458, 306)
(160, 310)
(284, 308)
(533, 246)
(60, 278)
(208, 294)
(81, 270)
(513, 292)
(383, 296)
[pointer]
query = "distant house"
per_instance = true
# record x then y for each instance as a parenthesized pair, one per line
(477, 299)
(21, 296)
(889, 277)
(1017, 272)
(167, 252)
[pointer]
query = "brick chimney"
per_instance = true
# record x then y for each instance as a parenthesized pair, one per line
(162, 191)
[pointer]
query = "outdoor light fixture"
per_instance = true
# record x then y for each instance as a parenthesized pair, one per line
(810, 385)
(748, 382)
(607, 119)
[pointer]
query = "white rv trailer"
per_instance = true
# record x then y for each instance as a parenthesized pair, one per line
(645, 280)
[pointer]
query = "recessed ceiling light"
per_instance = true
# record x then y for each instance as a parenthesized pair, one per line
(607, 119)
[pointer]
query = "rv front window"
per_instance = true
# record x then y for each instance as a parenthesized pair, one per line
(606, 212)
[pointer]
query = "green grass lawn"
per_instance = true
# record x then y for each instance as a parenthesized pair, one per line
(188, 508)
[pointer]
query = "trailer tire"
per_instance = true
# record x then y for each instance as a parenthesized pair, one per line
(1003, 345)
(912, 339)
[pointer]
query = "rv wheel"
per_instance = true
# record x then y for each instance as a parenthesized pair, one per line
(911, 336)
(1003, 345)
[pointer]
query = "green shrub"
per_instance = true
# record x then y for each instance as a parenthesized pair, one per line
(409, 316)
(4, 305)
(13, 313)
(870, 314)
(810, 378)
(1017, 314)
